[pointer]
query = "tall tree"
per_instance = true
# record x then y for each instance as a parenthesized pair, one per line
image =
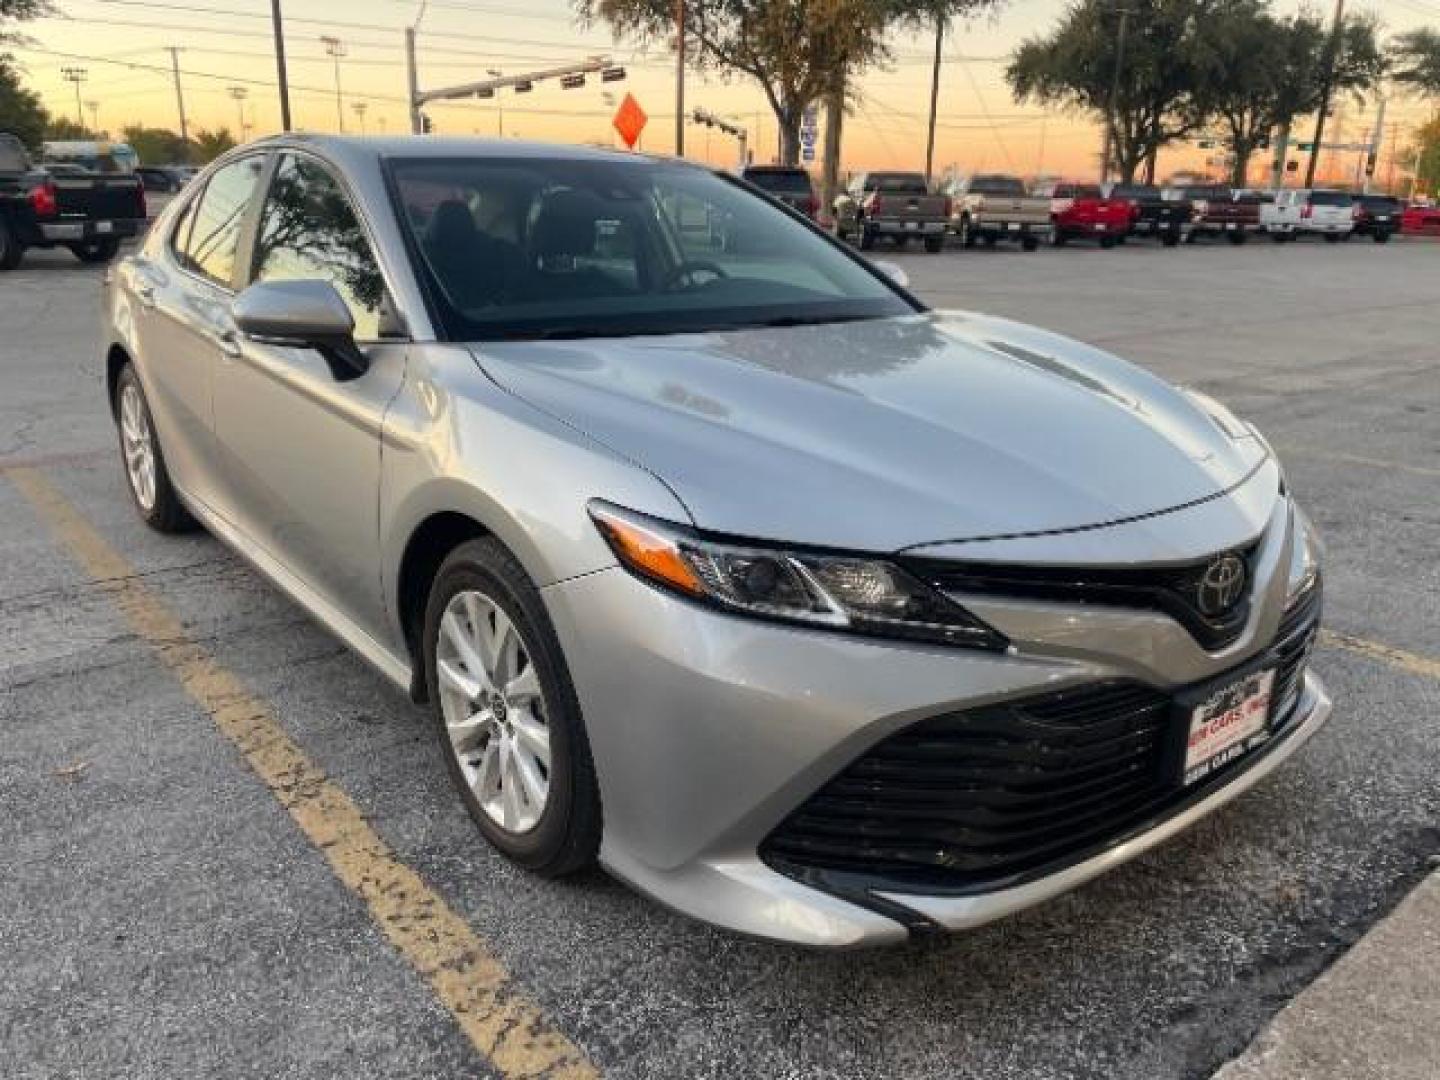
(20, 110)
(62, 128)
(1417, 61)
(154, 146)
(1259, 73)
(794, 49)
(1426, 156)
(1079, 67)
(208, 145)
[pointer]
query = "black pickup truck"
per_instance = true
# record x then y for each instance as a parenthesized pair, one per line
(89, 213)
(1152, 215)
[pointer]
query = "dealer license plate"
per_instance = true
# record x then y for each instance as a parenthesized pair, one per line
(1014, 226)
(104, 226)
(1099, 226)
(912, 225)
(1227, 725)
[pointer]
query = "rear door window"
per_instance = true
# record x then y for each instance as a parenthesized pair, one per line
(214, 237)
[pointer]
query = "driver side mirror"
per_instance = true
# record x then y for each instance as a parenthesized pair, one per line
(303, 315)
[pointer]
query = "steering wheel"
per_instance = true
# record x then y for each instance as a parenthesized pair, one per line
(689, 268)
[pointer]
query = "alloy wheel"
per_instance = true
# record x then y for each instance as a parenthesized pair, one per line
(494, 711)
(138, 443)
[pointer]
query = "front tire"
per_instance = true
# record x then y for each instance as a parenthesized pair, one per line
(934, 244)
(867, 238)
(1029, 243)
(506, 712)
(1236, 238)
(151, 491)
(96, 251)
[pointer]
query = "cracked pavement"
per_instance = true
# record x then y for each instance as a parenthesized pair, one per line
(160, 915)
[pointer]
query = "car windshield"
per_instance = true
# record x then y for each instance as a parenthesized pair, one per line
(784, 181)
(529, 248)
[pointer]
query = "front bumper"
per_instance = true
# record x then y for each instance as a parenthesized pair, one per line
(709, 730)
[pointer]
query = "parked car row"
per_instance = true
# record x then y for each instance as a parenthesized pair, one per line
(993, 208)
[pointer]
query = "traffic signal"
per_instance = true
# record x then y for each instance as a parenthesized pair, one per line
(572, 82)
(523, 87)
(485, 92)
(612, 74)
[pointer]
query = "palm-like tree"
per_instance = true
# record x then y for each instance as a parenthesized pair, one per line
(1416, 57)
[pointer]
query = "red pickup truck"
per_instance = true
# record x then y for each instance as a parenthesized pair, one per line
(1421, 221)
(1079, 211)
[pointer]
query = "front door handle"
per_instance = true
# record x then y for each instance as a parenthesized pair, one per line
(228, 341)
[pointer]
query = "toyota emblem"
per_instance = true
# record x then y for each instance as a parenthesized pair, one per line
(1221, 586)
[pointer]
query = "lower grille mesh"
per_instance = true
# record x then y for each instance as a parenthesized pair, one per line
(977, 797)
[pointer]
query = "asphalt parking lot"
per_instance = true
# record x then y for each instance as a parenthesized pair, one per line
(166, 911)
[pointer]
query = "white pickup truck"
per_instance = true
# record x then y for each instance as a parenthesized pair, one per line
(1330, 214)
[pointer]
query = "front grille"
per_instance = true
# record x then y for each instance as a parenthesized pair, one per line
(979, 799)
(1169, 589)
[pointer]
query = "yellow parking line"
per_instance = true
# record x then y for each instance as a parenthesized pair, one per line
(1386, 654)
(470, 981)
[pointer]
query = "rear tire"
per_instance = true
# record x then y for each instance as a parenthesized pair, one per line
(1332, 238)
(1029, 243)
(1108, 242)
(867, 238)
(1236, 238)
(934, 244)
(1382, 238)
(148, 478)
(481, 582)
(1057, 238)
(11, 251)
(96, 251)
(1170, 239)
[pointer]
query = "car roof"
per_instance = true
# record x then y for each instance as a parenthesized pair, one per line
(376, 147)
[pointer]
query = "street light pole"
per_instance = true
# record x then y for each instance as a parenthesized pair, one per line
(496, 73)
(94, 107)
(239, 93)
(76, 75)
(358, 108)
(336, 49)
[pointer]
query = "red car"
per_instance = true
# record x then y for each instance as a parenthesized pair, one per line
(1082, 210)
(1421, 221)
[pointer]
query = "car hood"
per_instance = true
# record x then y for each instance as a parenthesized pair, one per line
(886, 434)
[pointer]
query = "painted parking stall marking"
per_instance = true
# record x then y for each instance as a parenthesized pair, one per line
(469, 980)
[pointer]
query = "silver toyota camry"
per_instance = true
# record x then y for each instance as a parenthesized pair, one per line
(718, 557)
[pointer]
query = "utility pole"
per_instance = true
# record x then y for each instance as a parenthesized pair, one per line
(1332, 48)
(76, 75)
(934, 101)
(1109, 151)
(335, 48)
(94, 107)
(278, 26)
(358, 108)
(239, 93)
(1390, 163)
(679, 78)
(417, 126)
(1377, 135)
(174, 52)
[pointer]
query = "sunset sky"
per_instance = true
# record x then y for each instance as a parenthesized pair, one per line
(122, 46)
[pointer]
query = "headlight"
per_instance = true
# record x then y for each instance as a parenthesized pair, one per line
(1304, 558)
(842, 592)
